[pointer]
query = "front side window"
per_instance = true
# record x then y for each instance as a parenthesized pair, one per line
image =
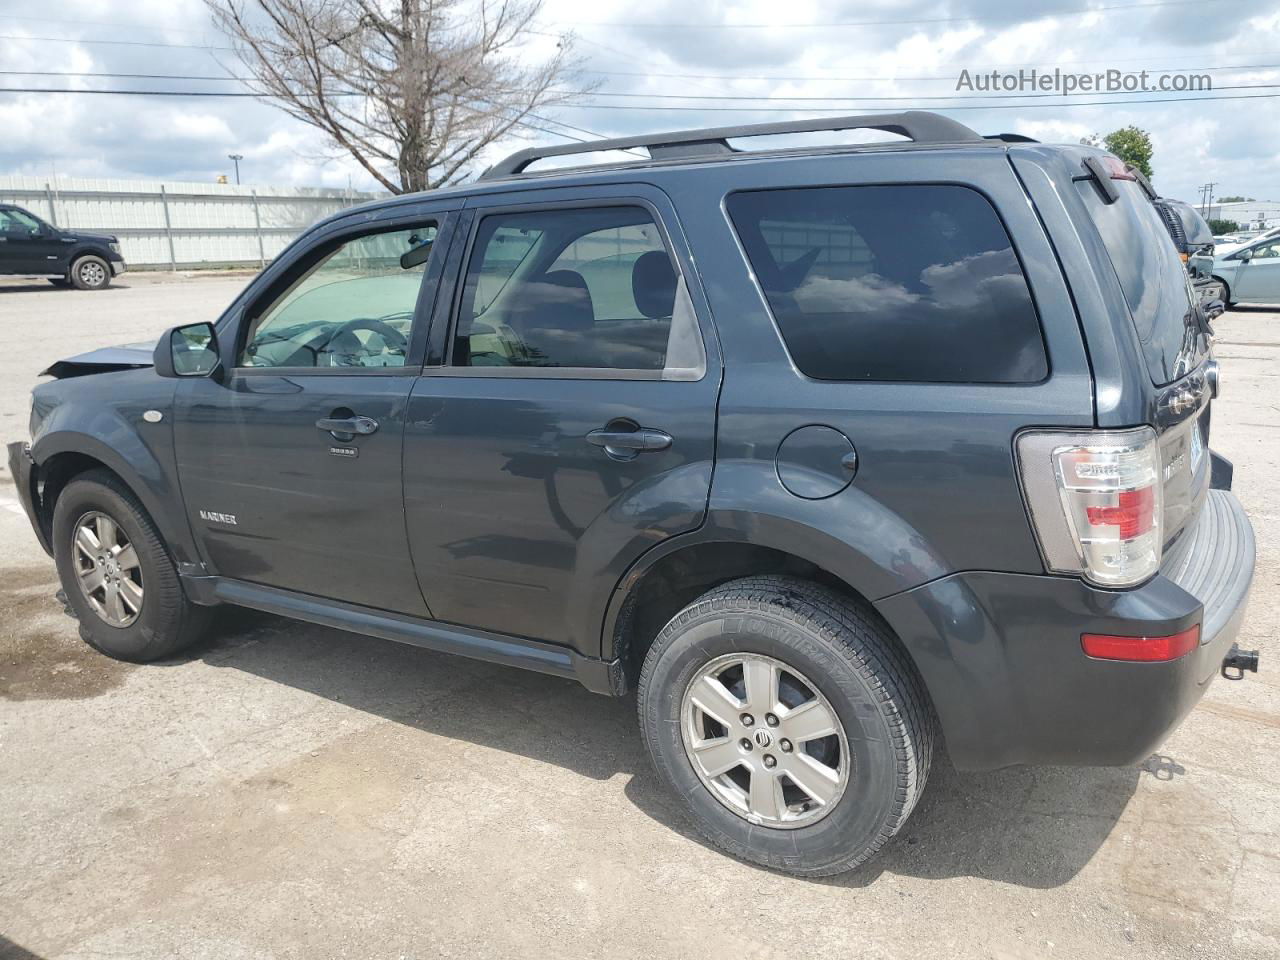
(19, 221)
(1268, 251)
(575, 288)
(352, 308)
(912, 282)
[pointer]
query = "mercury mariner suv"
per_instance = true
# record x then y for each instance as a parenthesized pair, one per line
(832, 454)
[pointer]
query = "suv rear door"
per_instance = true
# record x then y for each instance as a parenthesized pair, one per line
(566, 419)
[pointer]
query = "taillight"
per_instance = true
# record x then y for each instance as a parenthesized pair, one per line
(1096, 502)
(1104, 646)
(1117, 169)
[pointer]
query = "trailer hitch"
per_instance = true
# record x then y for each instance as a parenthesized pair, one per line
(1239, 661)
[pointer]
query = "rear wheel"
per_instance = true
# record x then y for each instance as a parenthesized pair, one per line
(91, 273)
(117, 575)
(790, 722)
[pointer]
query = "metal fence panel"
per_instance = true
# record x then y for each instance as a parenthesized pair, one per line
(180, 225)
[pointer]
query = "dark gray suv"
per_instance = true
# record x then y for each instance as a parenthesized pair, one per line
(830, 453)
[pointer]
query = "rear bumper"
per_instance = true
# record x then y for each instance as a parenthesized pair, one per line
(25, 477)
(1001, 654)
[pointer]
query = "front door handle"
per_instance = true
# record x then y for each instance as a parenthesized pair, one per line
(347, 428)
(628, 444)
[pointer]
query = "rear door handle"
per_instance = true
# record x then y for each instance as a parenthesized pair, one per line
(628, 444)
(347, 428)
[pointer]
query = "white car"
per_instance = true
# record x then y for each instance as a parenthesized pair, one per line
(1249, 273)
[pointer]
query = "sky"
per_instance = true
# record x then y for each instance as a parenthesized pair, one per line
(669, 65)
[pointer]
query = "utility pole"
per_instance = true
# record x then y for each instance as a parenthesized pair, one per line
(1206, 199)
(236, 158)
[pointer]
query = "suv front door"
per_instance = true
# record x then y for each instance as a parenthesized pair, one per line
(291, 463)
(568, 423)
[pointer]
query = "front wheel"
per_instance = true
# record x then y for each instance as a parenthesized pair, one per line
(791, 723)
(91, 273)
(1217, 289)
(117, 575)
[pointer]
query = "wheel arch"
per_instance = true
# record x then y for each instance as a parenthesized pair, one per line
(1226, 288)
(64, 455)
(673, 574)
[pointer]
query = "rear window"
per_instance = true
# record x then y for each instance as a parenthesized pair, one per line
(1152, 277)
(910, 282)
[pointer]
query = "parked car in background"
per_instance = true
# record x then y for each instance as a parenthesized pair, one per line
(1189, 230)
(29, 247)
(831, 454)
(1249, 273)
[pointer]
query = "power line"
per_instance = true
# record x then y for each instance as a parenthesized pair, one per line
(1039, 15)
(773, 98)
(122, 76)
(943, 107)
(970, 105)
(936, 76)
(122, 43)
(152, 93)
(101, 23)
(604, 93)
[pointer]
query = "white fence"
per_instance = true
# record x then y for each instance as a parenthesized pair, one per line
(180, 225)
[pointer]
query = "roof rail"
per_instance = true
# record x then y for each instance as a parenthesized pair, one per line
(918, 125)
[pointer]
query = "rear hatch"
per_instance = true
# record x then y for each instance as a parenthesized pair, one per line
(1171, 329)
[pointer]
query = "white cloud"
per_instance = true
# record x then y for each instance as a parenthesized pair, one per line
(1233, 142)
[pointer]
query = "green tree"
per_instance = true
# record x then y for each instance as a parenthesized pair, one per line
(1133, 146)
(1220, 227)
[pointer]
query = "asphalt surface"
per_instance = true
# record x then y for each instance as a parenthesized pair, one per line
(292, 791)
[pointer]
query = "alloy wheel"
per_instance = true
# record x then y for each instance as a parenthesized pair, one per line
(107, 569)
(765, 741)
(92, 274)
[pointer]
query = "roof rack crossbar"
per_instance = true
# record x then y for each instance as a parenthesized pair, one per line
(920, 126)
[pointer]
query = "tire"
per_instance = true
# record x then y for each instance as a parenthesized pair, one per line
(91, 272)
(163, 621)
(826, 646)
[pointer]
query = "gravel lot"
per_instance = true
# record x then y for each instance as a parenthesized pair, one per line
(292, 791)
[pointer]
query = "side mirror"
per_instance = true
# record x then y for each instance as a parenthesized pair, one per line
(188, 351)
(1214, 309)
(1246, 255)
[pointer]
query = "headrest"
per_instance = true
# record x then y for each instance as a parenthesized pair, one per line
(653, 284)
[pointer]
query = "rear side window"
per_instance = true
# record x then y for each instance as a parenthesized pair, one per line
(908, 282)
(584, 288)
(1152, 277)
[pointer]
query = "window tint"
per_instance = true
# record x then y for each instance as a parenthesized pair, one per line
(588, 288)
(1152, 277)
(905, 282)
(353, 308)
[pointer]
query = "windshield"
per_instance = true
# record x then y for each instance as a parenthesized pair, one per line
(1165, 310)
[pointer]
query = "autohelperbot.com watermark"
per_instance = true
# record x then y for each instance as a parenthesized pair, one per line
(1064, 82)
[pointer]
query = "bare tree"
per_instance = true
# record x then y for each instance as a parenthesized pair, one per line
(414, 90)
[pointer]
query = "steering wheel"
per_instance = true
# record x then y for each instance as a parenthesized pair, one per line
(392, 337)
